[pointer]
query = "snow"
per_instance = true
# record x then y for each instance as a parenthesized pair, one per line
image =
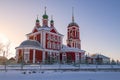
(66, 48)
(100, 55)
(44, 28)
(37, 72)
(52, 75)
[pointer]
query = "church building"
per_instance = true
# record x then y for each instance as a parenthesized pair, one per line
(45, 44)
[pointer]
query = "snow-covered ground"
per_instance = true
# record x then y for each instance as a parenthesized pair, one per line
(60, 75)
(39, 74)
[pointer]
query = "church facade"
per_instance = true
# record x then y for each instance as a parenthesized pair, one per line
(45, 44)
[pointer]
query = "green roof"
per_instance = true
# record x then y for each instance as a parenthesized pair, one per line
(45, 16)
(37, 20)
(52, 21)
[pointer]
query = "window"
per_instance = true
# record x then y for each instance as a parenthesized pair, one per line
(48, 37)
(57, 46)
(35, 38)
(53, 38)
(78, 46)
(77, 34)
(71, 34)
(57, 38)
(48, 44)
(53, 45)
(64, 59)
(26, 57)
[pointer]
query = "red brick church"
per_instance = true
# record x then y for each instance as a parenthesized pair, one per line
(45, 44)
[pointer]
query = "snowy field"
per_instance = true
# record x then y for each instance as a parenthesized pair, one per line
(37, 72)
(60, 75)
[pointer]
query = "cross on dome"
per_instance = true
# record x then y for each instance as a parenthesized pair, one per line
(45, 16)
(73, 14)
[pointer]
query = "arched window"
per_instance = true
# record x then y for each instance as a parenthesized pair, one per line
(71, 33)
(77, 34)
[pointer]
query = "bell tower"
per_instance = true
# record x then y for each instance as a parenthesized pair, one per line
(73, 34)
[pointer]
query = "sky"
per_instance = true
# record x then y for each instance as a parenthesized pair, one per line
(99, 22)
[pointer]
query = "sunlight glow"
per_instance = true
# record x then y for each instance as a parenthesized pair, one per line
(3, 38)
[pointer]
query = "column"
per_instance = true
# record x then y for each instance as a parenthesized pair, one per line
(28, 55)
(50, 56)
(43, 39)
(43, 56)
(17, 55)
(34, 56)
(23, 55)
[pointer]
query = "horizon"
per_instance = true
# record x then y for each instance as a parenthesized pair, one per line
(99, 25)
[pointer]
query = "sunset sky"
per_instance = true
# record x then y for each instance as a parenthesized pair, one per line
(99, 22)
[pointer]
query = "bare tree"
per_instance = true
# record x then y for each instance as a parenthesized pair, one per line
(2, 51)
(2, 48)
(7, 48)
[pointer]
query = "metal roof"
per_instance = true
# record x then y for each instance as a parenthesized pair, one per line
(30, 43)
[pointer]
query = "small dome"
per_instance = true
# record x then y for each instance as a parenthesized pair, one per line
(73, 24)
(37, 20)
(30, 43)
(52, 21)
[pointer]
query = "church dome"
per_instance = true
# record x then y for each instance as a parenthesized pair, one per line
(52, 21)
(45, 16)
(30, 43)
(73, 24)
(37, 20)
